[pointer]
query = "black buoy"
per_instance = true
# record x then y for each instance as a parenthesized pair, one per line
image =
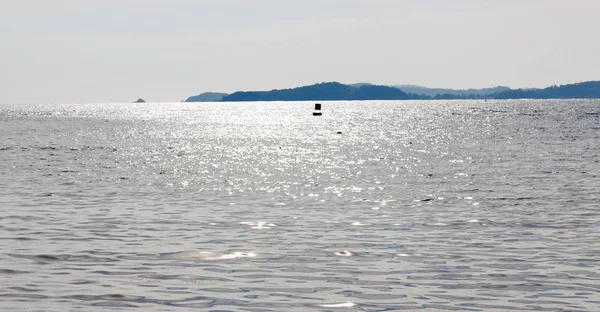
(317, 111)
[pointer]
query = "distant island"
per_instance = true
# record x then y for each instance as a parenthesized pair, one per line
(435, 91)
(335, 91)
(589, 89)
(328, 91)
(140, 100)
(207, 97)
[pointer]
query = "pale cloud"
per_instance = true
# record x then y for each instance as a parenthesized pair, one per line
(166, 50)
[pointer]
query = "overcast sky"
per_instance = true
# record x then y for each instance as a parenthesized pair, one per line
(73, 51)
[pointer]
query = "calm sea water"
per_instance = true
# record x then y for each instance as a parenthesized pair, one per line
(433, 206)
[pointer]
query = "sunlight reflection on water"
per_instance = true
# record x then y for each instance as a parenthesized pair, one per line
(439, 205)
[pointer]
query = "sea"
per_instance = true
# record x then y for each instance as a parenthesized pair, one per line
(373, 206)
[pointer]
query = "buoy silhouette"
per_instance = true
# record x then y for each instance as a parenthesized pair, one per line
(317, 111)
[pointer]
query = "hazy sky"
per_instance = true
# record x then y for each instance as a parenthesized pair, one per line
(68, 51)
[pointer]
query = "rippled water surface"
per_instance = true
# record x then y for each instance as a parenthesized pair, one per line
(433, 206)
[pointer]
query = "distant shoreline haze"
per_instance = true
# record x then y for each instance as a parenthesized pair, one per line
(335, 91)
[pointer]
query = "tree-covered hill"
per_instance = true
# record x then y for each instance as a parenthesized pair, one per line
(322, 92)
(335, 91)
